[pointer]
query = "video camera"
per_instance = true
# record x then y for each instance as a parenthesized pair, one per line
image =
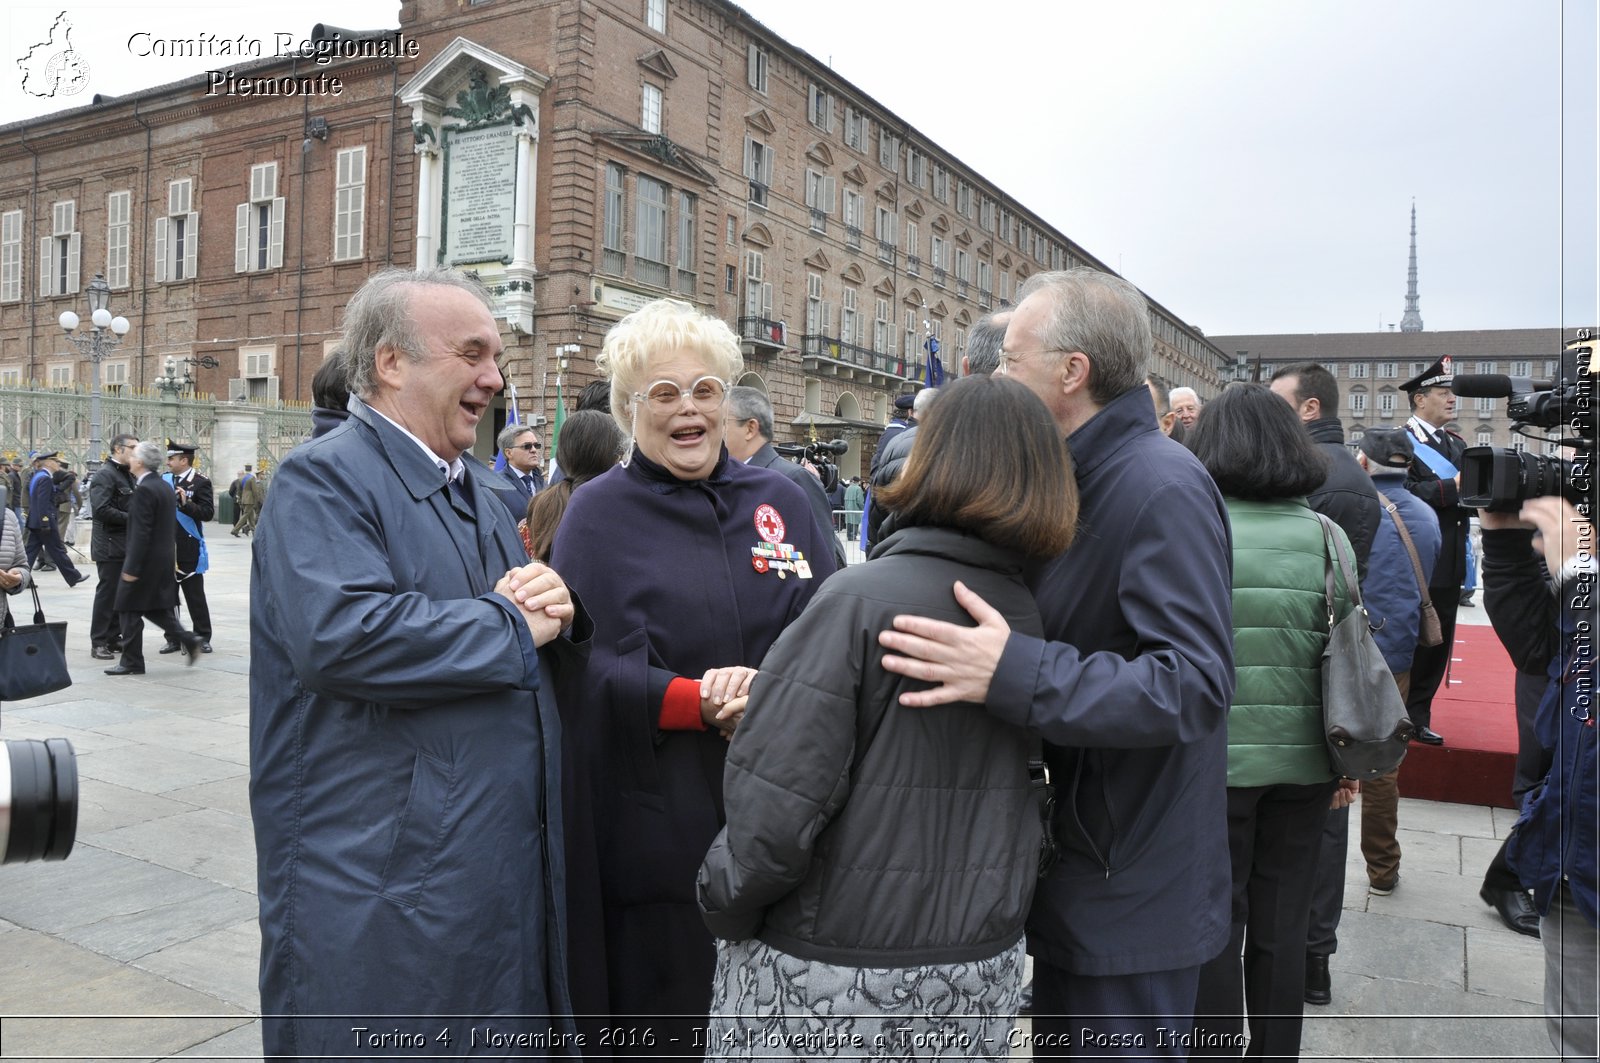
(38, 799)
(818, 454)
(1500, 479)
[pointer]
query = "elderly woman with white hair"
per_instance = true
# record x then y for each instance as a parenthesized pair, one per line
(691, 564)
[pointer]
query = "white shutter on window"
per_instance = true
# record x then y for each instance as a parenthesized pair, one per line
(241, 238)
(766, 165)
(275, 235)
(74, 247)
(191, 244)
(263, 181)
(752, 59)
(46, 274)
(163, 267)
(766, 301)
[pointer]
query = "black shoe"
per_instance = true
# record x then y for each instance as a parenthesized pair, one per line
(205, 647)
(42, 567)
(1319, 984)
(171, 647)
(1428, 737)
(1515, 908)
(82, 578)
(102, 653)
(191, 649)
(1384, 886)
(123, 669)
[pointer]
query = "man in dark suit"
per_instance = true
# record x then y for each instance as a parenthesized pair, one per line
(1435, 478)
(748, 435)
(110, 493)
(44, 534)
(196, 505)
(149, 588)
(524, 467)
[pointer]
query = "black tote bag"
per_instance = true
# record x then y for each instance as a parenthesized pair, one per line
(33, 657)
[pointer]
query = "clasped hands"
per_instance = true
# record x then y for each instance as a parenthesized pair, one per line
(9, 578)
(541, 596)
(724, 693)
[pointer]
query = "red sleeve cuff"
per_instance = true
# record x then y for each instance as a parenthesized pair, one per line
(680, 707)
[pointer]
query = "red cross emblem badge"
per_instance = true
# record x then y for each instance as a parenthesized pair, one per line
(769, 524)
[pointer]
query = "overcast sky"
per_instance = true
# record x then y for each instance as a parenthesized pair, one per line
(1249, 163)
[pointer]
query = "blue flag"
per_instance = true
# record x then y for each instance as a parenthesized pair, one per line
(935, 367)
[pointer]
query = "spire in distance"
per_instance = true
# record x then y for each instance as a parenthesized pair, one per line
(1411, 320)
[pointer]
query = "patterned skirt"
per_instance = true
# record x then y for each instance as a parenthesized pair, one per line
(769, 1005)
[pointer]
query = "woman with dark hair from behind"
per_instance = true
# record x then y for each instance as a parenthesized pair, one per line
(589, 444)
(878, 861)
(1280, 782)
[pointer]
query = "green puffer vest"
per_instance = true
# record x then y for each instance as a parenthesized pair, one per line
(1280, 627)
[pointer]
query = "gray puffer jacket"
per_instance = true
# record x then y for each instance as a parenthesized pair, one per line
(859, 832)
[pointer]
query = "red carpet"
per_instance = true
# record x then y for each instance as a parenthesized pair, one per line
(1476, 714)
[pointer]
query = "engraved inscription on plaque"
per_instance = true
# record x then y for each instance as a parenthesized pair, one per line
(480, 193)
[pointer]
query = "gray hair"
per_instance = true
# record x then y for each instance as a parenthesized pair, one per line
(984, 342)
(750, 403)
(1101, 316)
(508, 435)
(148, 454)
(924, 399)
(380, 314)
(1182, 393)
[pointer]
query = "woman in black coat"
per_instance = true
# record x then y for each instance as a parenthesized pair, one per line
(871, 885)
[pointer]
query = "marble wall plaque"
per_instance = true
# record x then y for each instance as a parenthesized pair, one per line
(480, 193)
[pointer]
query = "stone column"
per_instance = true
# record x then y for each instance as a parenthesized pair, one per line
(235, 443)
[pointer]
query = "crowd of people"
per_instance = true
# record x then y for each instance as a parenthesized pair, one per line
(132, 584)
(626, 762)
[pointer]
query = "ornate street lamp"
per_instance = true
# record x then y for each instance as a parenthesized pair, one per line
(95, 346)
(170, 384)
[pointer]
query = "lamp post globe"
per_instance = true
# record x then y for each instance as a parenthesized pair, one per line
(95, 346)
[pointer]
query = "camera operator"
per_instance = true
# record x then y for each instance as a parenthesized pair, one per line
(1553, 847)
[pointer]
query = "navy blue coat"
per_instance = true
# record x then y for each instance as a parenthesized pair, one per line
(41, 500)
(404, 758)
(1392, 597)
(668, 570)
(1130, 689)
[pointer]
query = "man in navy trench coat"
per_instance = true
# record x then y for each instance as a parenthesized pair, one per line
(1129, 688)
(404, 743)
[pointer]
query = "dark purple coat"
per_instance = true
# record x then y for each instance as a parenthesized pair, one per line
(666, 569)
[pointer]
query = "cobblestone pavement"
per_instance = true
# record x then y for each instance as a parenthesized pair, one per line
(143, 944)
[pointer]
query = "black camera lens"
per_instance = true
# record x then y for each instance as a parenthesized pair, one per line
(38, 800)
